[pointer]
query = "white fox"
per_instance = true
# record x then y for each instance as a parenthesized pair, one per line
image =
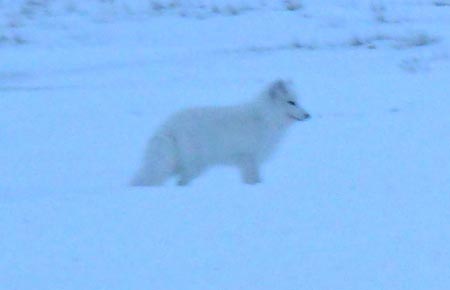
(243, 135)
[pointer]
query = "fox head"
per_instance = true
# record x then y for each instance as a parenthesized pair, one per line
(282, 98)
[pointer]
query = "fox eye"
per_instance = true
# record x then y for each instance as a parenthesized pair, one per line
(291, 103)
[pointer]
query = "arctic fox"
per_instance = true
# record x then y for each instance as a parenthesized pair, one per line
(243, 135)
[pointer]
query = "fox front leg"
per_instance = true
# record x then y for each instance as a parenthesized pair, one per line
(249, 170)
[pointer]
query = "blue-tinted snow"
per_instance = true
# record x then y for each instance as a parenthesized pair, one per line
(356, 198)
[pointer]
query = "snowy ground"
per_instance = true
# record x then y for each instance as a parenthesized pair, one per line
(356, 198)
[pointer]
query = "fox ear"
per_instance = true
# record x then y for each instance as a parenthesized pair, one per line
(277, 89)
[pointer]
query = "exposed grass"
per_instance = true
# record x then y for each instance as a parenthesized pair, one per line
(415, 40)
(441, 3)
(293, 5)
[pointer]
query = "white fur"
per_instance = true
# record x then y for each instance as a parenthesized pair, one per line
(243, 136)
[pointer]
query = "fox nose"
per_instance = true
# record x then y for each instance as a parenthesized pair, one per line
(307, 116)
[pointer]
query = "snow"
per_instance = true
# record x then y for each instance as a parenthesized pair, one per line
(355, 198)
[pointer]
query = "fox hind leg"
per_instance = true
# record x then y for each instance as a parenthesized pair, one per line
(188, 173)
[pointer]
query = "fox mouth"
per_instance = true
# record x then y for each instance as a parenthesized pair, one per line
(299, 119)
